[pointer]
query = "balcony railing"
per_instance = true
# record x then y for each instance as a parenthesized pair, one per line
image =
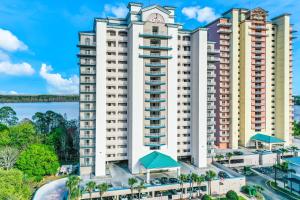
(155, 83)
(155, 91)
(157, 117)
(155, 74)
(156, 108)
(156, 126)
(155, 100)
(155, 56)
(155, 35)
(157, 47)
(154, 65)
(155, 135)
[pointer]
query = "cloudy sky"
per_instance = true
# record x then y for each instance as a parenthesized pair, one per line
(38, 38)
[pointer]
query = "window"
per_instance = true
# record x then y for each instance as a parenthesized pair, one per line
(155, 30)
(87, 41)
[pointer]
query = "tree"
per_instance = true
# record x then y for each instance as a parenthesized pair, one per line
(219, 157)
(141, 186)
(200, 179)
(103, 187)
(283, 151)
(131, 183)
(37, 161)
(23, 134)
(73, 187)
(90, 187)
(206, 197)
(232, 195)
(229, 156)
(13, 185)
(294, 149)
(210, 175)
(193, 178)
(4, 135)
(8, 157)
(296, 128)
(8, 116)
(182, 178)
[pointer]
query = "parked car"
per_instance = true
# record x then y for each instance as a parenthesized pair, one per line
(155, 181)
(164, 180)
(173, 180)
(222, 174)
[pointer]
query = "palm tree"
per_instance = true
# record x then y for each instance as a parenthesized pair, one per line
(229, 156)
(199, 180)
(291, 171)
(219, 157)
(259, 188)
(283, 151)
(90, 187)
(276, 167)
(193, 179)
(294, 149)
(103, 187)
(140, 187)
(182, 179)
(73, 186)
(131, 183)
(210, 175)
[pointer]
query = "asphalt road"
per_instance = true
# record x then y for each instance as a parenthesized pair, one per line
(268, 192)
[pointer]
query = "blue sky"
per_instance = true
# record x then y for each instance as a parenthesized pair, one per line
(38, 38)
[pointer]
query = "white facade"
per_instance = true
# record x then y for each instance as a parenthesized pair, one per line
(146, 85)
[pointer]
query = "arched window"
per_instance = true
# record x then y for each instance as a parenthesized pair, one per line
(87, 41)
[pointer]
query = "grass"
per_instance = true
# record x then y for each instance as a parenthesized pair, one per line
(285, 191)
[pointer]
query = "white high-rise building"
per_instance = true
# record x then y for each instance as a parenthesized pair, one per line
(146, 85)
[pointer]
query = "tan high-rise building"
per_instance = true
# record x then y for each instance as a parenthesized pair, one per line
(254, 77)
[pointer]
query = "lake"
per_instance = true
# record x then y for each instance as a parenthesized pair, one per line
(27, 110)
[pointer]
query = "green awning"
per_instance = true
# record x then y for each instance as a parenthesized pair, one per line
(266, 139)
(156, 160)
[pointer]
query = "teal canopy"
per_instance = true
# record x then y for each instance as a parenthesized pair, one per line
(157, 160)
(266, 139)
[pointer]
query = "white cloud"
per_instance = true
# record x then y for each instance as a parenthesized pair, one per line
(118, 10)
(9, 92)
(16, 69)
(57, 84)
(205, 14)
(10, 42)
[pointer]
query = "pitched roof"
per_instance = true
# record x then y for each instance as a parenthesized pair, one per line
(157, 160)
(266, 138)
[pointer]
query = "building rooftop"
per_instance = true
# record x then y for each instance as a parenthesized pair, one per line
(156, 160)
(266, 139)
(294, 160)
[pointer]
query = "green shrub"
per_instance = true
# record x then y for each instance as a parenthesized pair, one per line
(232, 195)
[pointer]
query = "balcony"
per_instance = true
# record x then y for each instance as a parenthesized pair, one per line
(155, 135)
(226, 31)
(87, 127)
(258, 34)
(227, 24)
(155, 117)
(155, 83)
(83, 44)
(155, 126)
(155, 56)
(155, 91)
(155, 109)
(259, 27)
(155, 35)
(155, 144)
(212, 59)
(213, 51)
(156, 47)
(154, 65)
(156, 100)
(87, 136)
(155, 74)
(82, 54)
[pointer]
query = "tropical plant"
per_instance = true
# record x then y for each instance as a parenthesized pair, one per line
(294, 149)
(219, 157)
(283, 151)
(193, 178)
(229, 156)
(206, 197)
(141, 186)
(73, 187)
(8, 157)
(209, 176)
(200, 179)
(37, 161)
(232, 195)
(182, 179)
(103, 187)
(131, 183)
(8, 116)
(90, 187)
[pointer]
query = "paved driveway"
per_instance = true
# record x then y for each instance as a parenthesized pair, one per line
(268, 192)
(54, 190)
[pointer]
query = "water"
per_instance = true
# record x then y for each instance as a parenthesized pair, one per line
(27, 110)
(297, 113)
